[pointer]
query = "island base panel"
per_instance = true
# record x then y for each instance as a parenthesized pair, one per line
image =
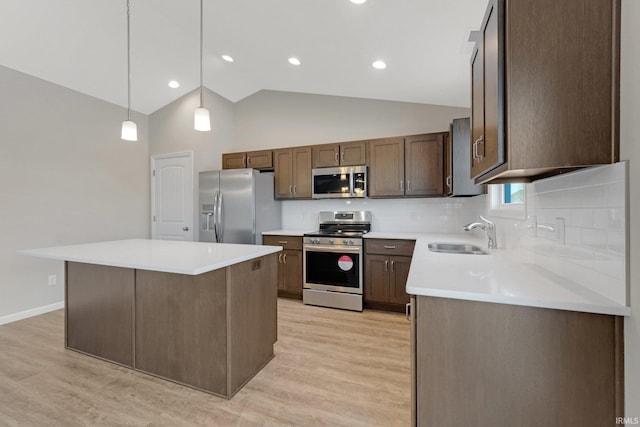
(99, 311)
(180, 328)
(253, 298)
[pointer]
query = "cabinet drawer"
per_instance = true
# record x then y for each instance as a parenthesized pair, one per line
(389, 247)
(287, 242)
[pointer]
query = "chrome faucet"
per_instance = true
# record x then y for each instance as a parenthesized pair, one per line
(488, 226)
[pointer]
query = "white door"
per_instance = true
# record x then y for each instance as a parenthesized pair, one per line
(172, 196)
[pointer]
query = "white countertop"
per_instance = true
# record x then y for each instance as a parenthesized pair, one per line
(190, 258)
(503, 276)
(286, 232)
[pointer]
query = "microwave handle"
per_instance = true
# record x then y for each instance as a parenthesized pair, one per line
(352, 184)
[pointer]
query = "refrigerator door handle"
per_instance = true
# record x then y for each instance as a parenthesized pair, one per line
(215, 215)
(220, 221)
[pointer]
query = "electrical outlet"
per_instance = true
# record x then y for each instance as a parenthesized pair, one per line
(53, 279)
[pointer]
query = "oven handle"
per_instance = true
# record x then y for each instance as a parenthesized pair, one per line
(346, 249)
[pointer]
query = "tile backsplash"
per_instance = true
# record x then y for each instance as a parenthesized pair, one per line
(576, 227)
(437, 215)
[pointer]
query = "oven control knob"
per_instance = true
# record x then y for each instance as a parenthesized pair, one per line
(350, 242)
(331, 241)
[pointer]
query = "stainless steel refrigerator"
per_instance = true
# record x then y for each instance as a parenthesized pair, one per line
(237, 205)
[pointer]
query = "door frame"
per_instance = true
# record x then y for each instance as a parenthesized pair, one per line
(152, 171)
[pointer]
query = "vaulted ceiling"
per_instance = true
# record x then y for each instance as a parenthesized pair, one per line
(81, 44)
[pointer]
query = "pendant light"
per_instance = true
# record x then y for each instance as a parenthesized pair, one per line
(201, 120)
(129, 128)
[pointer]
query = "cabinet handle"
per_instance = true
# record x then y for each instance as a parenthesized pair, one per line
(284, 258)
(336, 157)
(389, 246)
(449, 182)
(386, 265)
(401, 185)
(248, 161)
(291, 189)
(476, 154)
(294, 190)
(408, 184)
(280, 258)
(393, 263)
(342, 156)
(244, 161)
(282, 242)
(407, 311)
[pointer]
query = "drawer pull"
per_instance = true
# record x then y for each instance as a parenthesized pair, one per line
(282, 242)
(389, 246)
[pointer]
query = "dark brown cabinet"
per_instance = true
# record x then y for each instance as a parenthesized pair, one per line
(386, 270)
(252, 159)
(548, 100)
(514, 365)
(289, 265)
(292, 170)
(407, 166)
(458, 156)
(343, 154)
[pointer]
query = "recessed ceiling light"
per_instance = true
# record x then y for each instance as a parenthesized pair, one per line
(358, 1)
(174, 84)
(380, 65)
(227, 58)
(294, 61)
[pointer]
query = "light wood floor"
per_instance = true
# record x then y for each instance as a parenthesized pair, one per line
(332, 367)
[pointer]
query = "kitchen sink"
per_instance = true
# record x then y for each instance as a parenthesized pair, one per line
(456, 248)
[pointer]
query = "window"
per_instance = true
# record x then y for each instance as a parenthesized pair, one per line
(507, 200)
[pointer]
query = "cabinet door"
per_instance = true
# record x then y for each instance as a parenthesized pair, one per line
(327, 155)
(234, 161)
(377, 279)
(260, 159)
(448, 162)
(487, 147)
(301, 172)
(424, 165)
(386, 167)
(283, 172)
(353, 153)
(399, 269)
(291, 267)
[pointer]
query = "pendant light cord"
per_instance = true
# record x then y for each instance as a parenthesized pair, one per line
(201, 53)
(128, 62)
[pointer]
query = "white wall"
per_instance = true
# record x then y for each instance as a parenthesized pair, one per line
(630, 150)
(269, 119)
(65, 177)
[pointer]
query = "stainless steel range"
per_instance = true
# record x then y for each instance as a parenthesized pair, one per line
(333, 260)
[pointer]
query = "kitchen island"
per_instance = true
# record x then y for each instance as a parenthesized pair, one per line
(199, 314)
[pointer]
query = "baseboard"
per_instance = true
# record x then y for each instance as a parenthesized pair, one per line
(30, 313)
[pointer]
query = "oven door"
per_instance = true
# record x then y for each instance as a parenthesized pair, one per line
(333, 268)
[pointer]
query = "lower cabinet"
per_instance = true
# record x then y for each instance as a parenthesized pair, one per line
(289, 265)
(485, 364)
(386, 270)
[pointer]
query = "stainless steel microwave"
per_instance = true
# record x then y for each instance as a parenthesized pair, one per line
(333, 183)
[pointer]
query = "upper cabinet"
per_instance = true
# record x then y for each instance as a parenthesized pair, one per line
(407, 166)
(545, 91)
(252, 159)
(459, 181)
(352, 153)
(292, 167)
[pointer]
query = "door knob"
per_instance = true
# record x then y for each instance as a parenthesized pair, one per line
(185, 228)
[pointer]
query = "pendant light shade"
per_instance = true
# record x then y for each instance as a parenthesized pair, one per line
(129, 128)
(201, 119)
(129, 131)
